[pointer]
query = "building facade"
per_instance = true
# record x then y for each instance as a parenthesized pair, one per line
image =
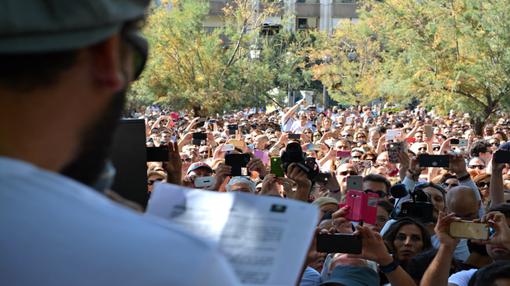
(322, 15)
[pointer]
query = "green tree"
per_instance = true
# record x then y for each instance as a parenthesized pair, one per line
(204, 71)
(451, 54)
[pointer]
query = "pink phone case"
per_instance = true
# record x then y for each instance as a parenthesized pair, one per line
(363, 207)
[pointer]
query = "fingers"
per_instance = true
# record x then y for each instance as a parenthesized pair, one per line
(342, 212)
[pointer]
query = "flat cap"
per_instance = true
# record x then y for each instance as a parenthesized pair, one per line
(32, 26)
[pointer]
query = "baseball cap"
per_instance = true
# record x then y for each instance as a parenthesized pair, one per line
(32, 26)
(198, 165)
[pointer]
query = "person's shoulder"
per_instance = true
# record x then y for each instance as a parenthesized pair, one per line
(461, 278)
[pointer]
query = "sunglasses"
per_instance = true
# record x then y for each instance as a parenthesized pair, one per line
(186, 160)
(140, 49)
(479, 167)
(381, 194)
(345, 173)
(482, 185)
(450, 185)
(495, 144)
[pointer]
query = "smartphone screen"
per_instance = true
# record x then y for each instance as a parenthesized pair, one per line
(355, 183)
(294, 136)
(427, 129)
(157, 154)
(232, 129)
(238, 163)
(435, 161)
(339, 243)
(469, 230)
(394, 149)
(276, 167)
(454, 141)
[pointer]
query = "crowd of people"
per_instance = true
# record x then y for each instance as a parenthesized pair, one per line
(343, 143)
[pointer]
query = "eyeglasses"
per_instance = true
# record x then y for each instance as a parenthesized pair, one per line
(423, 149)
(450, 185)
(382, 194)
(151, 182)
(479, 167)
(186, 160)
(495, 144)
(140, 49)
(345, 173)
(483, 185)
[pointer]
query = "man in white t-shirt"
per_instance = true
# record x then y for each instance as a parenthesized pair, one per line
(301, 124)
(65, 67)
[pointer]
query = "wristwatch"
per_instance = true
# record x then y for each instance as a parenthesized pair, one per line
(390, 267)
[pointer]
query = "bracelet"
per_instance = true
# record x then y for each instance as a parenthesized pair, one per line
(390, 267)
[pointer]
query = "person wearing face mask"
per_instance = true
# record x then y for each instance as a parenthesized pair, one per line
(65, 69)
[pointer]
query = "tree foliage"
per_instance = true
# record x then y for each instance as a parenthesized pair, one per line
(451, 54)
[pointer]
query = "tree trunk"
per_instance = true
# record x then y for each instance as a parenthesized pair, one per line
(478, 124)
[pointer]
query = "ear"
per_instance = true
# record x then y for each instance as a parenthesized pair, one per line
(106, 64)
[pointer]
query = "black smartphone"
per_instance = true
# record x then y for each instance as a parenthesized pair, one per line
(339, 243)
(157, 154)
(502, 156)
(394, 148)
(454, 141)
(421, 211)
(199, 138)
(232, 129)
(435, 161)
(238, 163)
(322, 178)
(294, 136)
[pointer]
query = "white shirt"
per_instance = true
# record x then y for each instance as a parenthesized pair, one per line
(461, 278)
(287, 125)
(297, 128)
(55, 231)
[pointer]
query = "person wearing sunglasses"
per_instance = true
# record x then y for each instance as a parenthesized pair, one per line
(65, 70)
(483, 182)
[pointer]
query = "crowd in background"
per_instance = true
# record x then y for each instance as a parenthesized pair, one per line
(340, 143)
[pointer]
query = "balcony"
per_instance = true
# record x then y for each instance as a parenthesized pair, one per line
(308, 8)
(344, 9)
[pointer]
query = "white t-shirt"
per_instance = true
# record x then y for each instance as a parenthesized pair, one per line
(55, 231)
(287, 125)
(461, 278)
(297, 128)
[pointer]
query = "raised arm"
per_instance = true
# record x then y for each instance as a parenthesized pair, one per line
(496, 187)
(439, 269)
(291, 111)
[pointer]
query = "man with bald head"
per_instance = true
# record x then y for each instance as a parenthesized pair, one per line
(463, 201)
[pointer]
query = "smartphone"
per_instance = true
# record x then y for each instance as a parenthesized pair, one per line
(394, 149)
(313, 147)
(366, 164)
(339, 243)
(454, 141)
(232, 129)
(294, 136)
(363, 206)
(391, 134)
(502, 156)
(355, 183)
(469, 230)
(321, 178)
(276, 167)
(205, 182)
(343, 154)
(238, 163)
(435, 161)
(429, 132)
(411, 140)
(157, 154)
(199, 138)
(463, 143)
(422, 211)
(227, 147)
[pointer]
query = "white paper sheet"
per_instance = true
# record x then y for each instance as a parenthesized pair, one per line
(265, 239)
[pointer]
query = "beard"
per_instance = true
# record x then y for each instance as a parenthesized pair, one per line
(95, 145)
